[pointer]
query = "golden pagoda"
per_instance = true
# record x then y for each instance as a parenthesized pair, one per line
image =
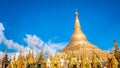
(80, 48)
(80, 43)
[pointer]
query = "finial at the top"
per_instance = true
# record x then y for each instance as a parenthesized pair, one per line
(76, 13)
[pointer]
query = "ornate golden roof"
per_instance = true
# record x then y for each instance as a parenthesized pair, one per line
(79, 42)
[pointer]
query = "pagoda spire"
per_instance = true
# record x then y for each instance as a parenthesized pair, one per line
(77, 28)
(78, 35)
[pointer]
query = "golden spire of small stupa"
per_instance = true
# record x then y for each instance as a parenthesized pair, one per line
(20, 55)
(32, 52)
(14, 57)
(29, 53)
(115, 45)
(20, 52)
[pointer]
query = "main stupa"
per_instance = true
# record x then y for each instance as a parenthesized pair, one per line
(79, 43)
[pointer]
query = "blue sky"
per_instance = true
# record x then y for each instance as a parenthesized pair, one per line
(53, 20)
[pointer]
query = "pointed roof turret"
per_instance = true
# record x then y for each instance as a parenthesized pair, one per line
(32, 52)
(115, 45)
(29, 53)
(20, 55)
(14, 57)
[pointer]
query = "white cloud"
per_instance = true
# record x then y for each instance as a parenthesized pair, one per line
(33, 40)
(1, 27)
(12, 45)
(1, 33)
